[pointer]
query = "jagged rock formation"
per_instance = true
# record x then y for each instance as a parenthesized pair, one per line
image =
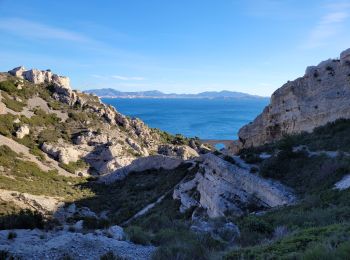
(222, 188)
(303, 104)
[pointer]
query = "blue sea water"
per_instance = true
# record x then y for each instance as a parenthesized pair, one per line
(205, 118)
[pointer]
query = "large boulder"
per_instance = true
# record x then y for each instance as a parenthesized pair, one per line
(222, 188)
(62, 152)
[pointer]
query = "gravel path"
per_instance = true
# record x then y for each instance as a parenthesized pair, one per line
(36, 244)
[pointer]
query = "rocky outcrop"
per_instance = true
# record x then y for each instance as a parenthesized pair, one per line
(182, 151)
(22, 131)
(43, 204)
(222, 188)
(62, 152)
(303, 104)
(142, 164)
(61, 85)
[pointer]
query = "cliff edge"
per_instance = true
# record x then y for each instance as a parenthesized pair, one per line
(303, 104)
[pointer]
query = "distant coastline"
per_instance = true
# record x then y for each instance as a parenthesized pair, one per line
(155, 94)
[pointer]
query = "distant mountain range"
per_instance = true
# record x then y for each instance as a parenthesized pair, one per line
(112, 93)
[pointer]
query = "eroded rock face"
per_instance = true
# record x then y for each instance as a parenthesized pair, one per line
(62, 89)
(62, 152)
(223, 188)
(322, 95)
(182, 151)
(142, 164)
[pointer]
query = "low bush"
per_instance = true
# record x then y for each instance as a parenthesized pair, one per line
(73, 167)
(138, 236)
(12, 104)
(111, 256)
(25, 219)
(11, 235)
(8, 86)
(94, 223)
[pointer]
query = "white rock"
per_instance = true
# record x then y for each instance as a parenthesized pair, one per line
(78, 225)
(116, 232)
(22, 131)
(344, 183)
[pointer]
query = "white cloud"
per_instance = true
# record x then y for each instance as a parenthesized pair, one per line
(36, 30)
(329, 26)
(127, 78)
(118, 77)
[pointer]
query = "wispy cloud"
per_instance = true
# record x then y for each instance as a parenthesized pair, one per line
(127, 78)
(36, 30)
(118, 77)
(330, 25)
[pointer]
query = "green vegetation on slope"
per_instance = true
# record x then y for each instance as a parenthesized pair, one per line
(24, 176)
(318, 226)
(125, 198)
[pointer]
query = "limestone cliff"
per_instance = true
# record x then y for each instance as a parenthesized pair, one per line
(322, 95)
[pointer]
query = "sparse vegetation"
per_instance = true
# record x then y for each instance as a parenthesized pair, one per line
(27, 177)
(24, 219)
(73, 167)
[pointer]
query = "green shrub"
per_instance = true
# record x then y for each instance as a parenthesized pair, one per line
(94, 223)
(25, 219)
(11, 235)
(5, 255)
(72, 167)
(12, 104)
(8, 86)
(137, 235)
(111, 256)
(7, 127)
(229, 159)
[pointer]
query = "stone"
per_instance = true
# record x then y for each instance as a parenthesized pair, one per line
(78, 225)
(22, 131)
(64, 153)
(142, 164)
(116, 232)
(181, 151)
(303, 104)
(18, 72)
(222, 188)
(345, 57)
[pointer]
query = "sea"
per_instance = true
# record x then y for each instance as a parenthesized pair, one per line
(218, 119)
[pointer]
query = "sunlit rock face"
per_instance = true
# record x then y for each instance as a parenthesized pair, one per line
(322, 95)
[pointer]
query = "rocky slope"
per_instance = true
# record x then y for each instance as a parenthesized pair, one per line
(86, 129)
(303, 104)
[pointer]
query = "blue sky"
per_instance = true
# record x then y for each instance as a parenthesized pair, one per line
(183, 46)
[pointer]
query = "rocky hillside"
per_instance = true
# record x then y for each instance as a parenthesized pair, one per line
(303, 104)
(41, 111)
(79, 180)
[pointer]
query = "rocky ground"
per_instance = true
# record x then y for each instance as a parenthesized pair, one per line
(38, 244)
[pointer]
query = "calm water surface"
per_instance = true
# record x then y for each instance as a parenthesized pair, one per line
(204, 118)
